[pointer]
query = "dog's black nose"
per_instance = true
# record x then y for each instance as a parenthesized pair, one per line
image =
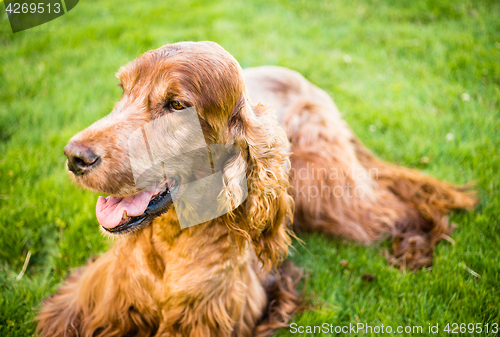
(81, 158)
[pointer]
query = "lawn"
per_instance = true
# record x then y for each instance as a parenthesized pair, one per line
(418, 81)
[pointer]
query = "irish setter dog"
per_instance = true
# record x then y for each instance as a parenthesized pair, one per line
(227, 276)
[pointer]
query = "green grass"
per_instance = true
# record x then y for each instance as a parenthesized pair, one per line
(402, 92)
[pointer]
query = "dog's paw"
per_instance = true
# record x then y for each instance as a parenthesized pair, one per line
(414, 252)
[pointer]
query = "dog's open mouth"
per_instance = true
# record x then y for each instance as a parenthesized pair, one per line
(123, 215)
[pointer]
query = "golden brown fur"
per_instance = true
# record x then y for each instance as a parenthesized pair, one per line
(225, 277)
(340, 188)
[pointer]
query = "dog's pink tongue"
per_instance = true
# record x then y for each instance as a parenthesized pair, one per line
(109, 211)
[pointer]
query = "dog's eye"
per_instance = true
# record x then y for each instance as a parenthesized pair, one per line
(176, 105)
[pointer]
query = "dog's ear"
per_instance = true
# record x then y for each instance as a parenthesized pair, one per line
(265, 216)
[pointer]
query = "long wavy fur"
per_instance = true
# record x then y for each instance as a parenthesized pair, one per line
(227, 277)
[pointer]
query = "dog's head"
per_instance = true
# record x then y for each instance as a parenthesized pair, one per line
(181, 94)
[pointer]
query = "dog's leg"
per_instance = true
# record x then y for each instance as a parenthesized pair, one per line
(427, 202)
(104, 298)
(333, 191)
(59, 316)
(283, 299)
(341, 189)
